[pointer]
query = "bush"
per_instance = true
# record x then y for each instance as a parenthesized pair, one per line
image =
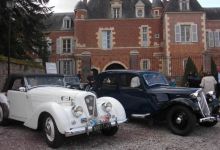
(190, 67)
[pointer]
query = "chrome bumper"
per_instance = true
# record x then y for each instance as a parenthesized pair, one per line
(209, 119)
(88, 129)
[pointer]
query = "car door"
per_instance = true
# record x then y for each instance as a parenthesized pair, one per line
(107, 86)
(17, 101)
(133, 96)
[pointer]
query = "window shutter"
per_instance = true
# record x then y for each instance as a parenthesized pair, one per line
(58, 46)
(58, 66)
(61, 67)
(194, 33)
(217, 40)
(104, 39)
(211, 39)
(72, 45)
(71, 67)
(177, 33)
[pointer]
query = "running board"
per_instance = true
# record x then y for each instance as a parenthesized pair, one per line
(140, 115)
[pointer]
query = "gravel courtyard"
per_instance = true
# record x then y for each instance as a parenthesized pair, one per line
(135, 135)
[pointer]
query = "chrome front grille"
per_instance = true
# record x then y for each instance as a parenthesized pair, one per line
(203, 104)
(91, 105)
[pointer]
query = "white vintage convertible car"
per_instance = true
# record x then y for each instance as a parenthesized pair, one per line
(42, 101)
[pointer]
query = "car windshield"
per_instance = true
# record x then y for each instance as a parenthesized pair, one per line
(154, 78)
(72, 80)
(34, 81)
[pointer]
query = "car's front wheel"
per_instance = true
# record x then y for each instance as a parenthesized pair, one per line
(53, 137)
(181, 120)
(110, 131)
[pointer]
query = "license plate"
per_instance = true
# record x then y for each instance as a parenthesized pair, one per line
(101, 126)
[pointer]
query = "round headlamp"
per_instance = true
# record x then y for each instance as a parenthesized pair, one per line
(77, 111)
(107, 106)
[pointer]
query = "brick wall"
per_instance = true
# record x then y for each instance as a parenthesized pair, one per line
(16, 68)
(126, 38)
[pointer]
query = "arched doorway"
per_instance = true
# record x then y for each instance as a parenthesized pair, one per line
(115, 66)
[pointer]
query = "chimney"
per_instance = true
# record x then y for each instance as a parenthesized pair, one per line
(85, 1)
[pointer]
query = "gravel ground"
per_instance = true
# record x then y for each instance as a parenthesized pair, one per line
(135, 135)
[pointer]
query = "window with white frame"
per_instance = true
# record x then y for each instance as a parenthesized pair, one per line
(156, 13)
(186, 33)
(67, 22)
(67, 67)
(66, 45)
(144, 36)
(140, 12)
(184, 5)
(116, 12)
(106, 39)
(145, 64)
(213, 38)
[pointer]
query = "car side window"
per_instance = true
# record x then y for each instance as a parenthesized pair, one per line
(17, 84)
(128, 81)
(109, 82)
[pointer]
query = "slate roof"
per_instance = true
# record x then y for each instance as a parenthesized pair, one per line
(81, 5)
(102, 8)
(212, 13)
(157, 3)
(173, 6)
(55, 21)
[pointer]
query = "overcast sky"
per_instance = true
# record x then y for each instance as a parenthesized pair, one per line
(69, 5)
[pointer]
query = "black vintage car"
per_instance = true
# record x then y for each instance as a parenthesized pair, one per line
(147, 94)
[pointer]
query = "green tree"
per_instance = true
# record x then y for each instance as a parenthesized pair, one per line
(189, 68)
(214, 70)
(27, 26)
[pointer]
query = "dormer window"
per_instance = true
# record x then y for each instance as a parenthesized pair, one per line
(66, 22)
(116, 9)
(184, 5)
(140, 13)
(116, 13)
(156, 13)
(139, 9)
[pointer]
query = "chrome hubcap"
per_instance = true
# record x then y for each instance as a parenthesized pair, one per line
(178, 120)
(1, 114)
(49, 129)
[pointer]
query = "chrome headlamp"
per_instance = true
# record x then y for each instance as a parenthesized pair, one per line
(77, 111)
(107, 106)
(195, 95)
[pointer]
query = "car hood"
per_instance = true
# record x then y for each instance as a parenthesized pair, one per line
(172, 90)
(54, 94)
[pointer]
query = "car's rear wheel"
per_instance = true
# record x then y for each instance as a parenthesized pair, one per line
(181, 120)
(3, 120)
(110, 131)
(53, 137)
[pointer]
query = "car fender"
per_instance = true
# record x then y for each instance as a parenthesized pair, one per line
(55, 110)
(184, 101)
(5, 105)
(117, 108)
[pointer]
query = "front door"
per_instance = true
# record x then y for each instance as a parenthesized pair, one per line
(133, 95)
(17, 101)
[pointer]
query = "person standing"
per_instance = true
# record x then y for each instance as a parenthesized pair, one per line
(208, 83)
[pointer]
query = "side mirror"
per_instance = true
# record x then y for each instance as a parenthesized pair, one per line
(22, 89)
